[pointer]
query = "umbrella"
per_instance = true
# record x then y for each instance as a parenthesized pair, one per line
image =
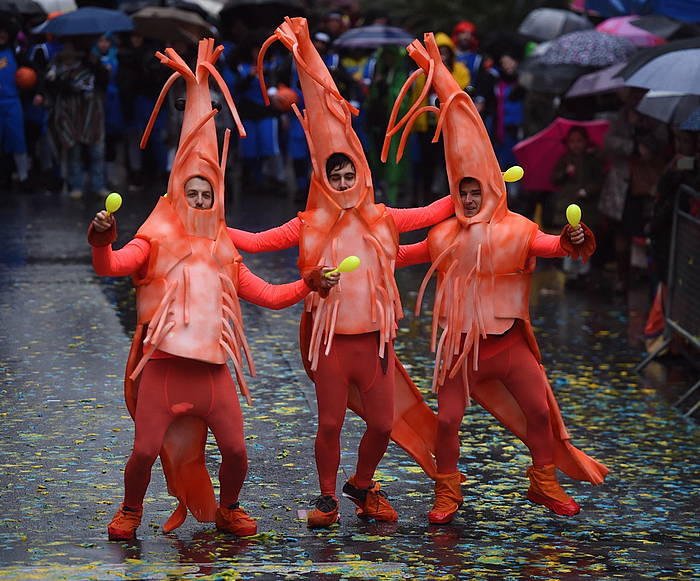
(537, 76)
(539, 154)
(259, 13)
(89, 20)
(588, 48)
(27, 9)
(674, 71)
(623, 26)
(167, 24)
(658, 25)
(642, 57)
(668, 106)
(692, 122)
(373, 37)
(57, 5)
(601, 81)
(548, 23)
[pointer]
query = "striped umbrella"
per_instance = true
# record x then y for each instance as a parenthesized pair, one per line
(373, 36)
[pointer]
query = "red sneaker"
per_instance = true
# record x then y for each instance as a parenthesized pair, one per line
(371, 502)
(235, 521)
(325, 514)
(545, 490)
(124, 524)
(448, 498)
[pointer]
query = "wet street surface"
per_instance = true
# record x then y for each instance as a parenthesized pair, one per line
(65, 436)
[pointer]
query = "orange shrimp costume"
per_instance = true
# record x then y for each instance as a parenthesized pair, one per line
(188, 277)
(347, 337)
(486, 350)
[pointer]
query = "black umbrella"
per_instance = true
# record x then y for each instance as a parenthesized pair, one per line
(659, 25)
(642, 57)
(259, 13)
(26, 9)
(538, 76)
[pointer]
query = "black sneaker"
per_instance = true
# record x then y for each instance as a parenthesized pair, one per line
(325, 514)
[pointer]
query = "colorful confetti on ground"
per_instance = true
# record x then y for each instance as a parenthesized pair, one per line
(65, 436)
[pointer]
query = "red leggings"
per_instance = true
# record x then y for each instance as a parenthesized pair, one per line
(517, 368)
(175, 386)
(353, 359)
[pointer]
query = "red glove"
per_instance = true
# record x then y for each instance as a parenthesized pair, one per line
(105, 238)
(582, 251)
(313, 277)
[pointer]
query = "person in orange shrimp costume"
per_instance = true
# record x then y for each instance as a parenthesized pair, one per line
(484, 257)
(347, 339)
(189, 277)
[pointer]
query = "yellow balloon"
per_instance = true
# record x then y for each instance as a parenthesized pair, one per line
(573, 215)
(113, 202)
(348, 264)
(513, 174)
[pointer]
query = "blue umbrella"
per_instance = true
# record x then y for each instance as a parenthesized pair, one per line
(692, 122)
(89, 20)
(588, 48)
(373, 37)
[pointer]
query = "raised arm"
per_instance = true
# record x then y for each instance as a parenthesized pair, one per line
(108, 262)
(410, 254)
(279, 238)
(576, 242)
(279, 296)
(408, 219)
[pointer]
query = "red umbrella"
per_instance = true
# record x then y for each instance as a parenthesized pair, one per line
(539, 154)
(624, 26)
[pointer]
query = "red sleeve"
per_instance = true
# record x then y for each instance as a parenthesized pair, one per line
(128, 260)
(546, 246)
(284, 236)
(273, 296)
(408, 219)
(412, 254)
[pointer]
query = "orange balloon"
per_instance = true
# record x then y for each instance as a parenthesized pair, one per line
(285, 98)
(25, 78)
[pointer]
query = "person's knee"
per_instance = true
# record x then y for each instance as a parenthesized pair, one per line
(328, 429)
(380, 426)
(538, 417)
(144, 454)
(234, 452)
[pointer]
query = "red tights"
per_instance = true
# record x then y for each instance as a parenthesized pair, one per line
(517, 368)
(172, 387)
(353, 359)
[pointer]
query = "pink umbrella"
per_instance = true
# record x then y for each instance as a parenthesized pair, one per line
(622, 26)
(539, 154)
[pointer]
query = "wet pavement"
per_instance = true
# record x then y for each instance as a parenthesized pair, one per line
(65, 435)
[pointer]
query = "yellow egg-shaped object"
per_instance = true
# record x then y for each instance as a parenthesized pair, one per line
(348, 264)
(113, 202)
(573, 215)
(513, 174)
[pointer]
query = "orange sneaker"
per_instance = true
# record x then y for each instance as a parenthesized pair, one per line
(448, 498)
(325, 514)
(544, 489)
(124, 523)
(371, 502)
(236, 521)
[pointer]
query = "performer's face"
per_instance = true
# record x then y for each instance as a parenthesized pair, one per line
(470, 193)
(199, 194)
(343, 177)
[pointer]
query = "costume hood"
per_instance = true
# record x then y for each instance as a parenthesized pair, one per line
(198, 150)
(468, 149)
(327, 120)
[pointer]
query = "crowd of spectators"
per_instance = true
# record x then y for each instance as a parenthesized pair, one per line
(82, 120)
